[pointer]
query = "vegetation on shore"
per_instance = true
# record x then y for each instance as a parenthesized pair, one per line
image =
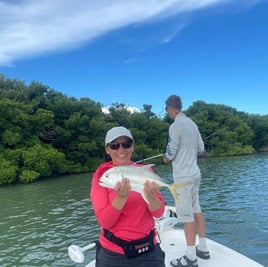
(45, 133)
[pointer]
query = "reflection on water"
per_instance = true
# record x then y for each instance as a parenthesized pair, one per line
(39, 221)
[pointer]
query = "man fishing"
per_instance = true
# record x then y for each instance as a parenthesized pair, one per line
(184, 144)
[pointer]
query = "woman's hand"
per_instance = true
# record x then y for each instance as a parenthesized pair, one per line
(122, 190)
(151, 189)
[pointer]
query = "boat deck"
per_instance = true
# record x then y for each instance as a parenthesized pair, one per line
(173, 242)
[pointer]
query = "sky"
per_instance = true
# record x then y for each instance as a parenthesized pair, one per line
(138, 52)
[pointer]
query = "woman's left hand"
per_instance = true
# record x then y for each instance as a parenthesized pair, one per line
(151, 189)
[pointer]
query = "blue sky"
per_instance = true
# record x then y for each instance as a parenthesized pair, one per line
(139, 52)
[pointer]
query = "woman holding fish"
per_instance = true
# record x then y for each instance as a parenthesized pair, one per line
(127, 237)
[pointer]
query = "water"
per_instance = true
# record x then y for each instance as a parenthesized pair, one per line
(39, 221)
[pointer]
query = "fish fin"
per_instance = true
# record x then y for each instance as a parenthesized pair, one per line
(147, 166)
(173, 189)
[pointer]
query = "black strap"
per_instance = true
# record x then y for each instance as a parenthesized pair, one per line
(118, 241)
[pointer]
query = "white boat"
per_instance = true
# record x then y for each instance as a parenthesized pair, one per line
(172, 241)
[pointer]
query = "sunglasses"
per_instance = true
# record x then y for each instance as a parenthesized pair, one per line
(116, 145)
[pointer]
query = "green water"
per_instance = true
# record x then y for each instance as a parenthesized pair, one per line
(39, 221)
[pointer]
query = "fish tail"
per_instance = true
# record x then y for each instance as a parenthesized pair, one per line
(173, 189)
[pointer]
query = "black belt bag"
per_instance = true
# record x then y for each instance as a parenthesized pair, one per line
(132, 248)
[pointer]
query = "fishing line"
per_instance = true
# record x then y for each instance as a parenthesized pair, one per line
(153, 157)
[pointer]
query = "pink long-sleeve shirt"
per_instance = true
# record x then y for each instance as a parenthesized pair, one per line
(134, 221)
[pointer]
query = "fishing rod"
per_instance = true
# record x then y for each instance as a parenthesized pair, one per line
(153, 157)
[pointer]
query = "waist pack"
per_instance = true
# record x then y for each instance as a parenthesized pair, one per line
(132, 248)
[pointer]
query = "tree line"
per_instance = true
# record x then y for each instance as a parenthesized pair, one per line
(44, 133)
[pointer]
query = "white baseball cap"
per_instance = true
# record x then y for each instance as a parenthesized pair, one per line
(116, 132)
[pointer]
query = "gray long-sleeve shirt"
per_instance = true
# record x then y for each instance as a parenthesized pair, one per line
(184, 144)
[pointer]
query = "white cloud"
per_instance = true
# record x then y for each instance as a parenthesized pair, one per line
(132, 60)
(30, 27)
(105, 110)
(133, 110)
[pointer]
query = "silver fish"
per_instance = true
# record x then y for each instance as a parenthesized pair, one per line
(137, 176)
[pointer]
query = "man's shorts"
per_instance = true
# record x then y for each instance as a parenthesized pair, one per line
(188, 201)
